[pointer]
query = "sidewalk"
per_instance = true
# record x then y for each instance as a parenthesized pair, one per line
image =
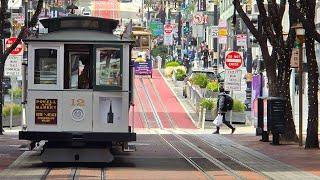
(290, 154)
(9, 147)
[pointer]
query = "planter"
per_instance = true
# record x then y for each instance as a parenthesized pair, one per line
(211, 94)
(16, 121)
(209, 116)
(237, 117)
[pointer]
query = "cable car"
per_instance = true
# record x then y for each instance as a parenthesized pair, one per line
(79, 90)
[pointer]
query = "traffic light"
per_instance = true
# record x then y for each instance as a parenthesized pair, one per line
(6, 32)
(186, 28)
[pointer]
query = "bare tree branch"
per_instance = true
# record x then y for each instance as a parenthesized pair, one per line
(267, 25)
(282, 8)
(246, 19)
(24, 30)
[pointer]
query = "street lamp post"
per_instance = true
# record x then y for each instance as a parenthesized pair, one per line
(300, 32)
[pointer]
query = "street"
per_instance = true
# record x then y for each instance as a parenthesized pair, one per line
(176, 151)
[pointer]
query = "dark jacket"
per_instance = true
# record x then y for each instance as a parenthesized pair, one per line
(221, 103)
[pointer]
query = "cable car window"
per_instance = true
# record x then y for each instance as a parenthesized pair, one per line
(45, 69)
(80, 71)
(108, 67)
(145, 40)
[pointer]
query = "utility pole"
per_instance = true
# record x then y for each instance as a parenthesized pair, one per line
(179, 33)
(248, 66)
(215, 40)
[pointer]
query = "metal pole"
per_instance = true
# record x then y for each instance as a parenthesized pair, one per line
(11, 107)
(215, 40)
(300, 91)
(142, 12)
(26, 18)
(179, 36)
(24, 93)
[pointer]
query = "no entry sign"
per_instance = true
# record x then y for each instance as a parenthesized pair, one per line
(168, 29)
(18, 51)
(233, 60)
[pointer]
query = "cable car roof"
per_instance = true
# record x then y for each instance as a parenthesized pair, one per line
(79, 29)
(78, 36)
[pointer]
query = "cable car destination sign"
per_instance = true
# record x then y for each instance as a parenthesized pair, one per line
(233, 63)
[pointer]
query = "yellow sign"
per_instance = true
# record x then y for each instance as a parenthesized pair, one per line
(223, 32)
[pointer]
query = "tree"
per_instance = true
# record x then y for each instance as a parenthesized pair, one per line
(4, 53)
(277, 61)
(305, 13)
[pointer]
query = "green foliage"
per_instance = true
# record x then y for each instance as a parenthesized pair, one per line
(180, 74)
(16, 110)
(17, 92)
(172, 64)
(208, 103)
(213, 86)
(200, 79)
(161, 51)
(238, 106)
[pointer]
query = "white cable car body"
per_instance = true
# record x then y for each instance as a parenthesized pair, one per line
(79, 90)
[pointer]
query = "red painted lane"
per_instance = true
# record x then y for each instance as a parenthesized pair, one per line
(176, 111)
(160, 110)
(145, 104)
(138, 122)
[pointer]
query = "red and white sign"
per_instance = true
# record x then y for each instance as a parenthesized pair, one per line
(168, 29)
(234, 60)
(242, 40)
(18, 51)
(200, 19)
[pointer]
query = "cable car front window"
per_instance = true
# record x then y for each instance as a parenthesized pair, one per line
(108, 67)
(45, 69)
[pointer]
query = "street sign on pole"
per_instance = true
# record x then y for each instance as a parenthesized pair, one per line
(294, 62)
(168, 35)
(242, 40)
(233, 60)
(18, 51)
(156, 28)
(13, 66)
(214, 31)
(168, 29)
(232, 80)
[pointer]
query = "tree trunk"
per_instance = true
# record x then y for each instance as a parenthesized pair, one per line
(312, 140)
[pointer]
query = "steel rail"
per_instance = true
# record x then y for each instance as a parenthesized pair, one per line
(154, 111)
(172, 123)
(191, 145)
(188, 159)
(46, 173)
(201, 152)
(204, 154)
(143, 112)
(232, 158)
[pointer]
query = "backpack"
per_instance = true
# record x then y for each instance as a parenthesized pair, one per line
(228, 103)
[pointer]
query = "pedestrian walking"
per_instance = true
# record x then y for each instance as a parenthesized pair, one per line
(224, 104)
(205, 56)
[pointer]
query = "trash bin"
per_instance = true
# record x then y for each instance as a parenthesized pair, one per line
(262, 118)
(275, 117)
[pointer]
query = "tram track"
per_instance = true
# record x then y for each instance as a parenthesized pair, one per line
(232, 167)
(143, 112)
(74, 173)
(154, 111)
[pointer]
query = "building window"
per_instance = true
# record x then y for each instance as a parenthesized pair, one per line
(45, 68)
(108, 67)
